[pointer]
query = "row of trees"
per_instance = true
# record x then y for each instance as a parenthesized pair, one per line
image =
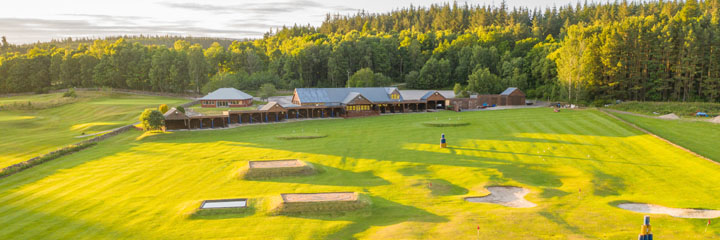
(640, 51)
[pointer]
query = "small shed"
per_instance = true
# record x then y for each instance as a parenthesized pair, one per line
(512, 96)
(175, 119)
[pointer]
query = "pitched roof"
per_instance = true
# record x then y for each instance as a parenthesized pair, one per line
(269, 106)
(350, 97)
(226, 94)
(508, 91)
(424, 94)
(174, 114)
(336, 96)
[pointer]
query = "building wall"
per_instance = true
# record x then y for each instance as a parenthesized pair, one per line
(175, 124)
(231, 103)
(490, 99)
(516, 98)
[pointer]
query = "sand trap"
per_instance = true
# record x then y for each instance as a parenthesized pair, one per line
(309, 203)
(715, 120)
(319, 197)
(505, 195)
(276, 168)
(224, 203)
(277, 164)
(675, 212)
(669, 116)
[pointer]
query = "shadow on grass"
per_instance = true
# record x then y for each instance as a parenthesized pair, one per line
(331, 176)
(382, 212)
(556, 218)
(549, 156)
(30, 219)
(414, 170)
(216, 214)
(607, 185)
(552, 192)
(441, 187)
(46, 169)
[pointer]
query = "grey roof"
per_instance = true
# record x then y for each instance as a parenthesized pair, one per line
(336, 96)
(174, 114)
(350, 97)
(508, 91)
(268, 106)
(423, 94)
(226, 94)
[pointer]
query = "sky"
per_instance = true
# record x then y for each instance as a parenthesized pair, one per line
(27, 21)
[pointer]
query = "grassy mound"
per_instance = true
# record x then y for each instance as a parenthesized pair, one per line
(280, 207)
(253, 173)
(445, 124)
(301, 136)
(249, 209)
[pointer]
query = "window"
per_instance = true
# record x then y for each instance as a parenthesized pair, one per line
(395, 96)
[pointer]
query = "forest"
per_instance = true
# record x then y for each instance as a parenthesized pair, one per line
(584, 53)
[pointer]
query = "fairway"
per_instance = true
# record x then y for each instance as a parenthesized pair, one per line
(30, 133)
(698, 136)
(577, 165)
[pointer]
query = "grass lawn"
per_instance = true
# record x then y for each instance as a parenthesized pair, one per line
(29, 133)
(578, 164)
(682, 109)
(700, 137)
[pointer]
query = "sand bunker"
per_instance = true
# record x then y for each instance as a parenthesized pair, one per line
(715, 120)
(505, 195)
(669, 116)
(224, 203)
(675, 212)
(293, 203)
(276, 168)
(319, 197)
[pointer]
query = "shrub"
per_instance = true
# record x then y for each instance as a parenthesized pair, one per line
(152, 119)
(163, 108)
(181, 109)
(47, 157)
(70, 93)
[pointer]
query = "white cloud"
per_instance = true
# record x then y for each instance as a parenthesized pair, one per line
(43, 20)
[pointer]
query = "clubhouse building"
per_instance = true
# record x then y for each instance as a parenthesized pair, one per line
(336, 102)
(226, 97)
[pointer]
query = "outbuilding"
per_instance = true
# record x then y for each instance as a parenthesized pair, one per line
(226, 98)
(512, 96)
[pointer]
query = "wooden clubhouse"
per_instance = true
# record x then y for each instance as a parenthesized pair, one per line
(226, 97)
(342, 102)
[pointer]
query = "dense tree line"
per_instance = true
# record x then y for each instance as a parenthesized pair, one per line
(584, 52)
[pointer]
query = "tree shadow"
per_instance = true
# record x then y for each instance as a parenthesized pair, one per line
(62, 163)
(331, 176)
(552, 192)
(20, 229)
(220, 214)
(382, 212)
(550, 156)
(441, 187)
(557, 219)
(414, 170)
(607, 185)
